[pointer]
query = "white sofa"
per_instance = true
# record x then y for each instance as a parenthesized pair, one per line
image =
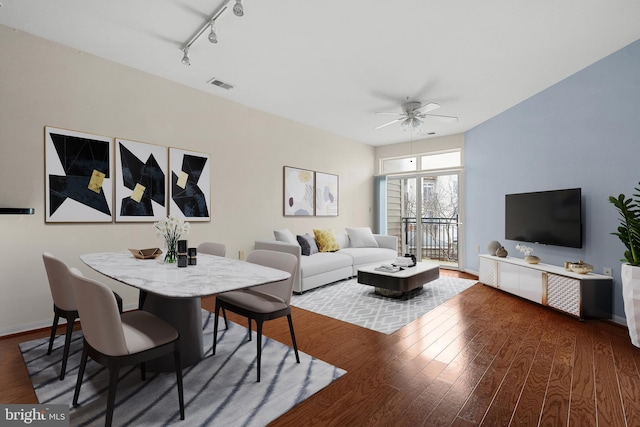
(328, 267)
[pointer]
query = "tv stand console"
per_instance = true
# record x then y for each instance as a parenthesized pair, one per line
(580, 295)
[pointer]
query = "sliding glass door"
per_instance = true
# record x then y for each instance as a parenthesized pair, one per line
(423, 212)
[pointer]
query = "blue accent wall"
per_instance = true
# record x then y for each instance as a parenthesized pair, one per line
(582, 132)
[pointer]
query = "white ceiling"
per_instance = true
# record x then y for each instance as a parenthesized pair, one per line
(332, 64)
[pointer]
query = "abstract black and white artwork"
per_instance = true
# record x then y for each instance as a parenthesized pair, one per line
(78, 177)
(141, 181)
(189, 185)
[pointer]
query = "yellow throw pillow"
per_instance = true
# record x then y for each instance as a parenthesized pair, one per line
(326, 240)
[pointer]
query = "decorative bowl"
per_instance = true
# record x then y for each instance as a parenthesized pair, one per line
(150, 253)
(580, 267)
(532, 259)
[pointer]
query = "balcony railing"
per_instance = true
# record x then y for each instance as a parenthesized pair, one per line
(439, 238)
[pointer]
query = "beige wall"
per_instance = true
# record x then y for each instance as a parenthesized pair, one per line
(46, 84)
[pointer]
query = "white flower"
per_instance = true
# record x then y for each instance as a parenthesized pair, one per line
(171, 228)
(526, 250)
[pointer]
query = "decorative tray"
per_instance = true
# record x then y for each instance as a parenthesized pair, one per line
(150, 253)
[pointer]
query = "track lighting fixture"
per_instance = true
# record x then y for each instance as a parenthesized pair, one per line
(238, 10)
(213, 36)
(185, 57)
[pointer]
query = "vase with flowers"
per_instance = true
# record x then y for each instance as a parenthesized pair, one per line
(528, 254)
(170, 229)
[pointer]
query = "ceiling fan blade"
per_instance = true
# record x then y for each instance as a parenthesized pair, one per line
(391, 114)
(388, 123)
(428, 107)
(444, 119)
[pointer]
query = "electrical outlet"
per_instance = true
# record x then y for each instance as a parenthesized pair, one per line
(607, 271)
(241, 255)
(477, 249)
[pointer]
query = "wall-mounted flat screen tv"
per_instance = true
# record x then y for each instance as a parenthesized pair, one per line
(545, 217)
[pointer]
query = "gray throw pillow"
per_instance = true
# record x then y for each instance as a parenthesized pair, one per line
(308, 244)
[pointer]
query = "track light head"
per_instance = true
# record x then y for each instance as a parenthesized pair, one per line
(238, 10)
(185, 57)
(213, 36)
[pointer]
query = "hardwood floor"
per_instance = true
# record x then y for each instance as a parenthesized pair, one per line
(482, 358)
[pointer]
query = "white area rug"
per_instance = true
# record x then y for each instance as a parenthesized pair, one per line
(220, 390)
(355, 303)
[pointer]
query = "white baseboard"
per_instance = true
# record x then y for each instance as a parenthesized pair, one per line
(26, 327)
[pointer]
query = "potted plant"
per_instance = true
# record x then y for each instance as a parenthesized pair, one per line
(629, 233)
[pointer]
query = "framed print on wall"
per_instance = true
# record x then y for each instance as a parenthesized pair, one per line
(141, 181)
(78, 176)
(326, 194)
(299, 185)
(189, 185)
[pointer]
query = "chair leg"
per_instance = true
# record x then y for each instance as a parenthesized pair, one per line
(224, 314)
(114, 368)
(259, 340)
(143, 371)
(67, 344)
(56, 317)
(249, 327)
(293, 338)
(215, 326)
(176, 358)
(83, 363)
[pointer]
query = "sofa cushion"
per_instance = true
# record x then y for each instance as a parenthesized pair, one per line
(361, 237)
(285, 235)
(323, 262)
(308, 244)
(369, 255)
(326, 240)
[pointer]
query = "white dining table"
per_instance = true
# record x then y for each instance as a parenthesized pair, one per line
(174, 293)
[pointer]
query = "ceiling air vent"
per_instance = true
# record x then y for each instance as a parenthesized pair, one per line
(220, 83)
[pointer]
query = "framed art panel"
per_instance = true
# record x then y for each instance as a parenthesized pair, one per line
(298, 192)
(141, 192)
(189, 185)
(78, 176)
(326, 194)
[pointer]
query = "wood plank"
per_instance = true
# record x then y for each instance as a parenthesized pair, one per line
(464, 363)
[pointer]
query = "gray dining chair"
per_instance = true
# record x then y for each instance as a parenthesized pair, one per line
(263, 302)
(212, 248)
(115, 340)
(64, 303)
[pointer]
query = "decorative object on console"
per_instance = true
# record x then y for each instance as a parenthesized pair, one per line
(502, 252)
(493, 246)
(170, 229)
(580, 267)
(326, 240)
(78, 174)
(528, 254)
(629, 234)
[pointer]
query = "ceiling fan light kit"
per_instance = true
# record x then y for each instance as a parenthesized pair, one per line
(238, 10)
(413, 115)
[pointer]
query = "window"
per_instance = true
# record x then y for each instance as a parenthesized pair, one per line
(407, 164)
(440, 161)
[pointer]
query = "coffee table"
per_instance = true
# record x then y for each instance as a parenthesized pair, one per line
(399, 284)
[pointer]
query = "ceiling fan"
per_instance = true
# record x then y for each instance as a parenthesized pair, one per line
(413, 113)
